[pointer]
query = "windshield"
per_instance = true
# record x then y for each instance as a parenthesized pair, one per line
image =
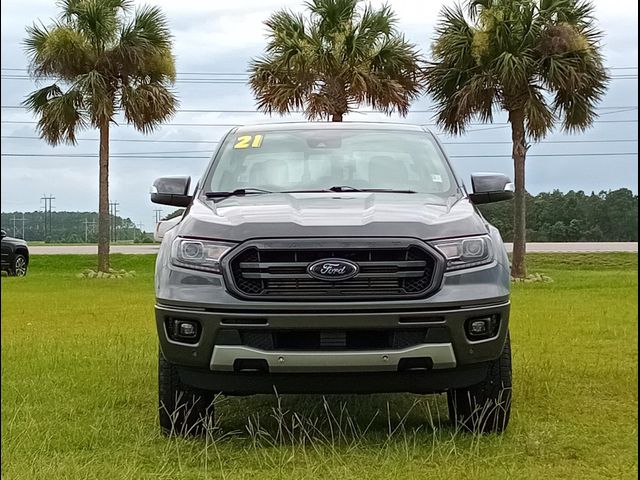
(312, 160)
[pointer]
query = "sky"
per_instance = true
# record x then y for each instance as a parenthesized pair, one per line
(215, 40)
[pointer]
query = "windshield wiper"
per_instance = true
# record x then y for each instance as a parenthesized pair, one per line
(237, 192)
(344, 188)
(311, 190)
(386, 190)
(347, 188)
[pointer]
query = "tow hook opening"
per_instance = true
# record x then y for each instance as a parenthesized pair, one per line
(253, 365)
(416, 364)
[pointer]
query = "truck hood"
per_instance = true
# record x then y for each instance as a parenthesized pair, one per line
(331, 215)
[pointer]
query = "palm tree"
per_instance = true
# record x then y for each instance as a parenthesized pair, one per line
(539, 60)
(105, 59)
(340, 56)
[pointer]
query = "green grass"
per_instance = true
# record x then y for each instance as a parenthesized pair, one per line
(79, 391)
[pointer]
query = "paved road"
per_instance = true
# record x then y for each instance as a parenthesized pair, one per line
(531, 247)
(578, 247)
(90, 249)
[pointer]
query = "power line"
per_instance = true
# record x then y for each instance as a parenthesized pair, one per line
(24, 137)
(143, 157)
(630, 67)
(499, 125)
(196, 81)
(182, 153)
(25, 122)
(608, 154)
(622, 108)
(238, 81)
(542, 142)
(137, 140)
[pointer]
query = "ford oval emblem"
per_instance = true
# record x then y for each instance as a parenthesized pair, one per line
(333, 269)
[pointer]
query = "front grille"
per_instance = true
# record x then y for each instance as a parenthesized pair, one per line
(262, 271)
(322, 340)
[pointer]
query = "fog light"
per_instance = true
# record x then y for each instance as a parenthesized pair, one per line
(483, 327)
(187, 330)
(479, 327)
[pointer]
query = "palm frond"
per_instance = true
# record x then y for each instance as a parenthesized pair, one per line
(98, 96)
(61, 114)
(539, 117)
(275, 89)
(151, 27)
(98, 20)
(333, 16)
(144, 47)
(376, 22)
(59, 51)
(147, 105)
(70, 8)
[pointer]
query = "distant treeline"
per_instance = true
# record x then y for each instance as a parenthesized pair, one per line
(610, 216)
(551, 217)
(67, 227)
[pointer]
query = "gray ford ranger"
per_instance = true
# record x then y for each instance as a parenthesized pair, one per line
(332, 258)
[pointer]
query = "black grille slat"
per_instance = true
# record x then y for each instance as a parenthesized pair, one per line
(268, 275)
(400, 264)
(269, 272)
(322, 340)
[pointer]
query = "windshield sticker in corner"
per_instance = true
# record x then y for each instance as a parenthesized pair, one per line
(246, 141)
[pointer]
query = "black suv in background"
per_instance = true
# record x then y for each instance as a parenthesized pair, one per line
(15, 255)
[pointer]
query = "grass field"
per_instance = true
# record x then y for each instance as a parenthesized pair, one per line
(79, 391)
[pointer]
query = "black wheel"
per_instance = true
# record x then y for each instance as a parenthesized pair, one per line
(486, 406)
(183, 410)
(19, 267)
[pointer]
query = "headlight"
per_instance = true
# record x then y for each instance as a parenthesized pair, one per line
(466, 252)
(198, 254)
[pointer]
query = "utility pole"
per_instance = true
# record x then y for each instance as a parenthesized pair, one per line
(23, 225)
(47, 214)
(86, 229)
(140, 227)
(113, 210)
(158, 212)
(15, 233)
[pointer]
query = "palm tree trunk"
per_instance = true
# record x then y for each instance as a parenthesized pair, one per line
(103, 202)
(519, 153)
(336, 117)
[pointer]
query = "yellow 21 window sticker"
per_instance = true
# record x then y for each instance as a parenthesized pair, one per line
(246, 141)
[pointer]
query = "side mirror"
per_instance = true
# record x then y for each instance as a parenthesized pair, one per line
(3, 234)
(171, 191)
(490, 187)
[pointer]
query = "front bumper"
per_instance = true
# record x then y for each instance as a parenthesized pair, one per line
(215, 363)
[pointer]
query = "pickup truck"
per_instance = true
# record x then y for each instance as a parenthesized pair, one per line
(332, 258)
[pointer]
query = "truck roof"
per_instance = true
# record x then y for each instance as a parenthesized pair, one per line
(281, 126)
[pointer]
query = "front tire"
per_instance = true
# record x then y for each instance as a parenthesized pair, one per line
(486, 406)
(19, 266)
(184, 411)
